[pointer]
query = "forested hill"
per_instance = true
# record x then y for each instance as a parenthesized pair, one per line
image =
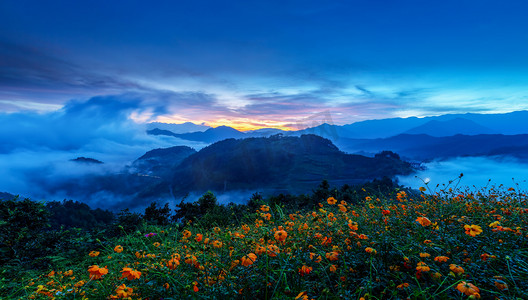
(278, 163)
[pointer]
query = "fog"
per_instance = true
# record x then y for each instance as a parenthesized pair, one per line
(36, 148)
(478, 172)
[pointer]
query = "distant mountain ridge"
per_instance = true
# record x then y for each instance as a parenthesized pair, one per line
(446, 125)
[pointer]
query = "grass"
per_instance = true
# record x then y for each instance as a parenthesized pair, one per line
(439, 245)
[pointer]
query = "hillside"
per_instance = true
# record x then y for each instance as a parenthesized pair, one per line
(277, 163)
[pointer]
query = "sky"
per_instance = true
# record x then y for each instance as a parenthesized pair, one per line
(254, 64)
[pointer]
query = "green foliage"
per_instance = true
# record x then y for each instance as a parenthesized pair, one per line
(74, 214)
(157, 215)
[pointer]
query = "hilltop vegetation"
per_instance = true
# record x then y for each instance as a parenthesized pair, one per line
(438, 244)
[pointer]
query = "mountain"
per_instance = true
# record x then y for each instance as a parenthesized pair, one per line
(450, 127)
(426, 147)
(6, 196)
(177, 128)
(211, 135)
(159, 162)
(277, 163)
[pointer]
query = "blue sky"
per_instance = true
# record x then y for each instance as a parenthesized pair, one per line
(265, 63)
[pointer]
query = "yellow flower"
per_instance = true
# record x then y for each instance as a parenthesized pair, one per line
(123, 291)
(473, 230)
(118, 249)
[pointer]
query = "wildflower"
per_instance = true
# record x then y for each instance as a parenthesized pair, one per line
(422, 267)
(166, 286)
(302, 296)
(198, 238)
(266, 216)
(424, 255)
(427, 241)
(484, 256)
(123, 291)
(173, 263)
(186, 234)
(280, 235)
(190, 259)
(422, 189)
(441, 258)
(68, 273)
(273, 250)
(342, 208)
(130, 274)
(467, 288)
(118, 249)
(494, 224)
(385, 212)
(403, 285)
(423, 221)
(96, 272)
(501, 285)
(195, 287)
(371, 250)
(217, 244)
(456, 269)
(217, 230)
(473, 230)
(150, 234)
(259, 250)
(248, 260)
(332, 256)
(331, 201)
(264, 208)
(94, 253)
(352, 225)
(304, 270)
(333, 268)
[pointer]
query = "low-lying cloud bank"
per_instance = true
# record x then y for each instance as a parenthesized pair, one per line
(36, 149)
(478, 172)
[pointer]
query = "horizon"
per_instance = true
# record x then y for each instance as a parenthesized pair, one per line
(249, 65)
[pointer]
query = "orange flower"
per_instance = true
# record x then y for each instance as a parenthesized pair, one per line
(456, 269)
(130, 274)
(305, 270)
(273, 250)
(422, 267)
(198, 238)
(96, 272)
(260, 249)
(186, 234)
(342, 208)
(403, 285)
(156, 244)
(333, 268)
(467, 288)
(217, 244)
(217, 230)
(118, 249)
(280, 235)
(385, 212)
(423, 255)
(422, 189)
(423, 221)
(371, 250)
(264, 208)
(68, 273)
(501, 285)
(94, 253)
(123, 291)
(484, 256)
(190, 259)
(332, 256)
(441, 258)
(352, 225)
(248, 260)
(331, 201)
(473, 230)
(173, 263)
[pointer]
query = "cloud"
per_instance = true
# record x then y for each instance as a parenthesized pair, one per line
(478, 172)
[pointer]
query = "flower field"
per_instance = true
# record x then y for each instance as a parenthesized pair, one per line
(436, 245)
